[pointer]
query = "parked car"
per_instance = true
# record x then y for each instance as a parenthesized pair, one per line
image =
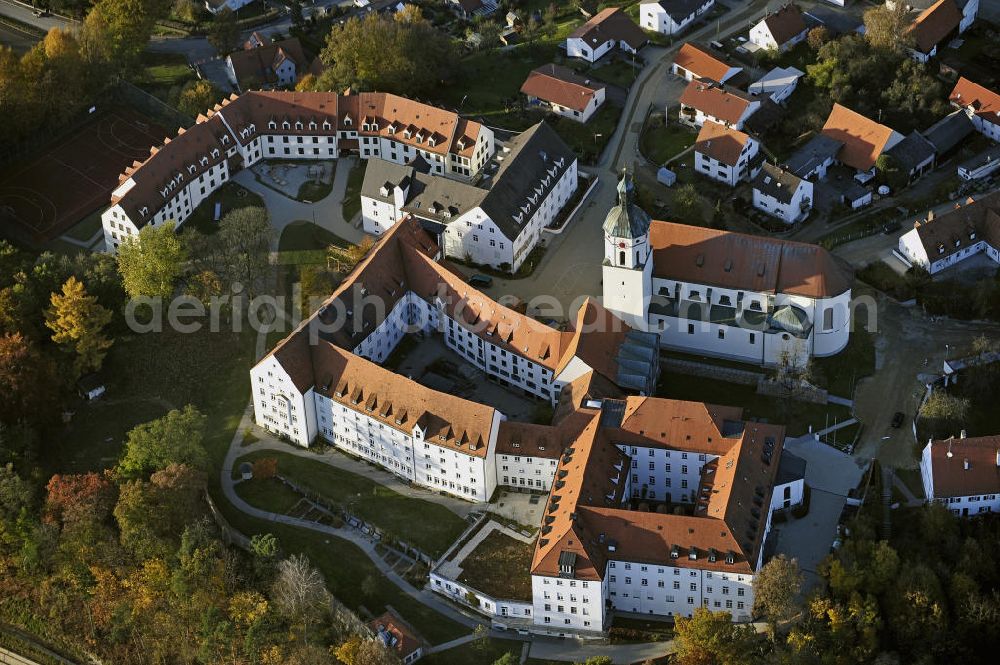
(891, 226)
(897, 419)
(481, 281)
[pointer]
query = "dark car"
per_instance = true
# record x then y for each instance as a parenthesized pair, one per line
(897, 419)
(481, 281)
(891, 226)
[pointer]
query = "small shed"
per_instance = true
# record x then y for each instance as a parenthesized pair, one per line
(90, 386)
(856, 196)
(666, 176)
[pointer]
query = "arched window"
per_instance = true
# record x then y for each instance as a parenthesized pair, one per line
(621, 258)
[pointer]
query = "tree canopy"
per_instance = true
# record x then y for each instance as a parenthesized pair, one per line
(176, 438)
(403, 54)
(151, 262)
(77, 322)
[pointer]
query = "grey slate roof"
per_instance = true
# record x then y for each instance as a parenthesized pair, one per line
(949, 131)
(819, 148)
(626, 220)
(991, 154)
(791, 467)
(538, 158)
(777, 182)
(912, 151)
(679, 10)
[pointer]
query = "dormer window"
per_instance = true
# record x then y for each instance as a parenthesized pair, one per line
(286, 125)
(347, 120)
(272, 125)
(693, 554)
(312, 124)
(730, 557)
(674, 552)
(298, 125)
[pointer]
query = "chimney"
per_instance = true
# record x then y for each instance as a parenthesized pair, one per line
(965, 464)
(930, 215)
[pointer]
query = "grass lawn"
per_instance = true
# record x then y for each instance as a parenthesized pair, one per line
(426, 525)
(479, 653)
(795, 415)
(166, 69)
(662, 143)
(301, 235)
(619, 73)
(232, 196)
(499, 567)
(312, 191)
(840, 373)
(86, 228)
(588, 140)
(351, 205)
(912, 479)
(345, 568)
(270, 494)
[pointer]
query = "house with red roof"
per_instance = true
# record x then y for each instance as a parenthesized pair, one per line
(981, 104)
(694, 61)
(564, 92)
(862, 139)
(962, 473)
(707, 101)
(938, 24)
(725, 154)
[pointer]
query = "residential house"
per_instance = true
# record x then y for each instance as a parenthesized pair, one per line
(564, 92)
(862, 140)
(496, 222)
(970, 8)
(782, 194)
(705, 100)
(670, 17)
(266, 65)
(781, 30)
(981, 104)
(914, 155)
(242, 130)
(963, 474)
(748, 298)
(697, 62)
(937, 25)
(949, 132)
(778, 84)
(939, 242)
(725, 154)
(815, 157)
(982, 165)
(608, 29)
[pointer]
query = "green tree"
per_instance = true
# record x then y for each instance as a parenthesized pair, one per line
(886, 26)
(776, 588)
(507, 659)
(151, 262)
(245, 237)
(176, 438)
(404, 54)
(152, 515)
(27, 378)
(944, 413)
(889, 171)
(817, 37)
(198, 96)
(687, 205)
(224, 33)
(120, 29)
(712, 637)
(77, 321)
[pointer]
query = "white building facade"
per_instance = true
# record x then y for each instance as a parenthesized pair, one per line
(670, 17)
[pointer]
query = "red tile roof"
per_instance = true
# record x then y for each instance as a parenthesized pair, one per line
(983, 101)
(721, 143)
(864, 139)
(611, 24)
(786, 23)
(560, 85)
(951, 478)
(702, 63)
(741, 261)
(934, 24)
(407, 640)
(727, 104)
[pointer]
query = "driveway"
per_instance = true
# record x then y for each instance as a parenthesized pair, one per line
(831, 474)
(326, 213)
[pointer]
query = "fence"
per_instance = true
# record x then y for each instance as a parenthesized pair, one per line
(152, 106)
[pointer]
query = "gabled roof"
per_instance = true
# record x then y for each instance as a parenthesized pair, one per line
(934, 24)
(721, 143)
(260, 64)
(702, 63)
(560, 85)
(912, 151)
(584, 524)
(949, 131)
(864, 139)
(785, 24)
(611, 24)
(679, 10)
(950, 475)
(817, 150)
(727, 104)
(776, 182)
(961, 227)
(740, 261)
(981, 100)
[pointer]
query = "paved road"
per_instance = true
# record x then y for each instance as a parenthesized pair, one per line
(26, 14)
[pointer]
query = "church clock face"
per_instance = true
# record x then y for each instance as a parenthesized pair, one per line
(621, 245)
